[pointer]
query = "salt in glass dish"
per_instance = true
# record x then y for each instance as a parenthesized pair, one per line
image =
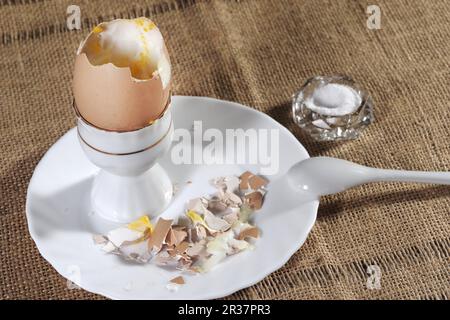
(323, 127)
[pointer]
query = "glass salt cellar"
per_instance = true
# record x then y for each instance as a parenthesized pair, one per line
(332, 125)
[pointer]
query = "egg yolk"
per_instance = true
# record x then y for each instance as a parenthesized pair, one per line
(134, 43)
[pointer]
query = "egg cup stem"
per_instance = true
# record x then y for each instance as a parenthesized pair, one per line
(125, 198)
(131, 182)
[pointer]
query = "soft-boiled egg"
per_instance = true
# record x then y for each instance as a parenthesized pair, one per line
(122, 75)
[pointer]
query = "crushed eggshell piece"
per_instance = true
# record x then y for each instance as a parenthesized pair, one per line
(257, 182)
(178, 280)
(251, 232)
(123, 235)
(137, 252)
(175, 284)
(99, 239)
(235, 246)
(164, 258)
(250, 181)
(181, 248)
(198, 233)
(232, 183)
(216, 223)
(159, 234)
(229, 184)
(254, 200)
(175, 236)
(217, 206)
(109, 248)
(197, 205)
(244, 184)
(231, 217)
(196, 249)
(233, 199)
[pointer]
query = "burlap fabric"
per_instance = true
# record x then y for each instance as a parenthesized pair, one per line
(258, 53)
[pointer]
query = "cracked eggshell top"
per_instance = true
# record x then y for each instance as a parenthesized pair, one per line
(109, 97)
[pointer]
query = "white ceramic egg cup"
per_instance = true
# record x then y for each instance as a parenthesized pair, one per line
(130, 183)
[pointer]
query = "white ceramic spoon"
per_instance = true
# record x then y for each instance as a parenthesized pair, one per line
(311, 178)
(323, 175)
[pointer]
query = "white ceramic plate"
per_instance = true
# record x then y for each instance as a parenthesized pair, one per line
(61, 223)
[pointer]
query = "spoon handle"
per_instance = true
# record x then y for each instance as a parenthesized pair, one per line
(325, 175)
(410, 176)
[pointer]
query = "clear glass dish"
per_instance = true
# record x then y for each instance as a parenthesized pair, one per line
(331, 128)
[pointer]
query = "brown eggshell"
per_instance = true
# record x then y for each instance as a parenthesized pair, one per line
(109, 98)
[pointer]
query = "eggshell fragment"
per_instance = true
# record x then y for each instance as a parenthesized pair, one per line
(251, 232)
(178, 280)
(159, 234)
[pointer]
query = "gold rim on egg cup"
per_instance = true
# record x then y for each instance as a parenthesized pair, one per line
(162, 114)
(127, 153)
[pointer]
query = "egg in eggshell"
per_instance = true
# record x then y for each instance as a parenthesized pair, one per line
(122, 75)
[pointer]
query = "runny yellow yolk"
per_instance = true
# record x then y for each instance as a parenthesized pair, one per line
(141, 224)
(145, 24)
(141, 67)
(97, 29)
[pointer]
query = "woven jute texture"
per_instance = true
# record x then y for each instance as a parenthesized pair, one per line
(259, 52)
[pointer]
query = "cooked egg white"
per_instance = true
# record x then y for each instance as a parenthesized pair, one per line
(137, 44)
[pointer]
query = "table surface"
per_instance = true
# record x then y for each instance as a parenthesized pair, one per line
(258, 53)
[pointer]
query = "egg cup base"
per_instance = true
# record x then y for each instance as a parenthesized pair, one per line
(123, 199)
